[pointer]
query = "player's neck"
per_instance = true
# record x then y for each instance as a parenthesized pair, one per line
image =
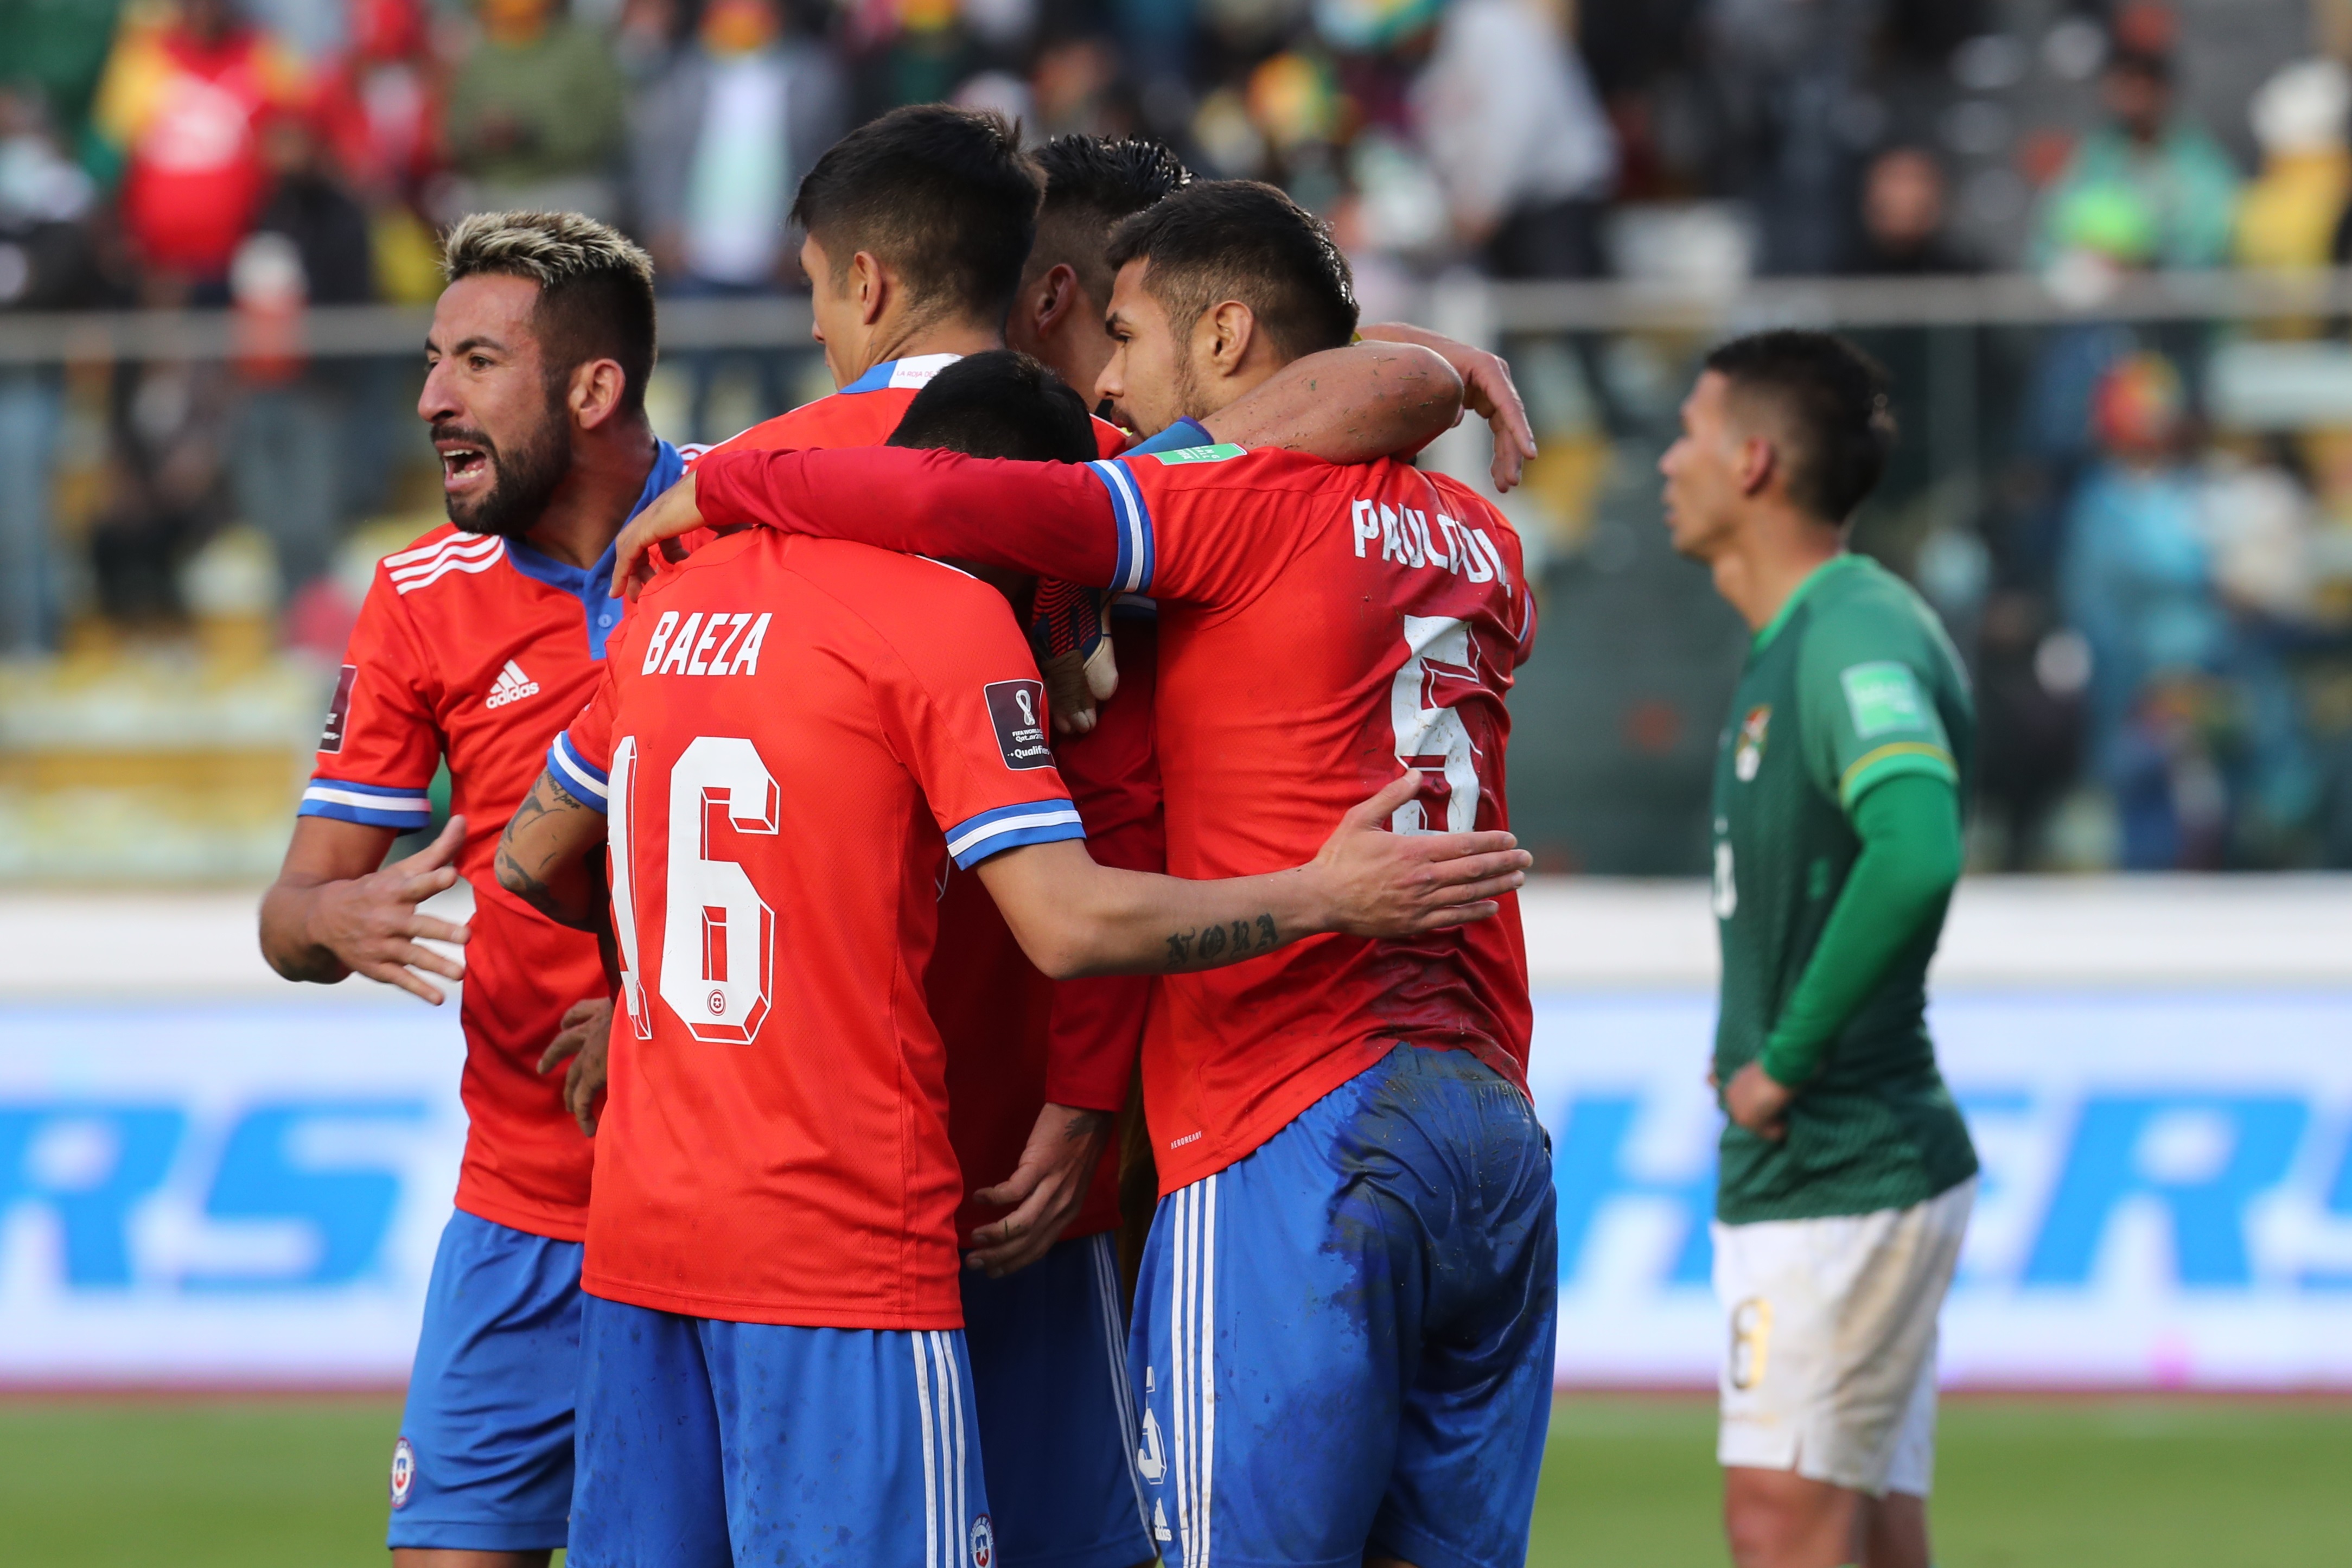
(1759, 572)
(915, 338)
(591, 506)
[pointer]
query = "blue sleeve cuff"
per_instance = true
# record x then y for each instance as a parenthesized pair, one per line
(1133, 519)
(404, 808)
(975, 838)
(582, 780)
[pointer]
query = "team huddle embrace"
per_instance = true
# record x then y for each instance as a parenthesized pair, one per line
(906, 829)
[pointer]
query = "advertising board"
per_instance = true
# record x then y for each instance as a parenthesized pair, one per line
(214, 1179)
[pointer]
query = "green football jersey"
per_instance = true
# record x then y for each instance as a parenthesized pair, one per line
(1853, 683)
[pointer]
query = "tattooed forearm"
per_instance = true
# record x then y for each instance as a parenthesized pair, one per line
(518, 879)
(1205, 945)
(540, 857)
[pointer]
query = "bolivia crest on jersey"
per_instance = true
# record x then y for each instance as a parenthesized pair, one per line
(1750, 754)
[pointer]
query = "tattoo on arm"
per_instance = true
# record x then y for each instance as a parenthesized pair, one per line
(527, 882)
(1087, 1126)
(1204, 945)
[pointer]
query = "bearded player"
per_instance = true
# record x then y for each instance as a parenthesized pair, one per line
(1059, 313)
(918, 227)
(1846, 1173)
(474, 647)
(1343, 1336)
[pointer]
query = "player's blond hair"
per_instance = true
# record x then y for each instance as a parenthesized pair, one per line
(596, 288)
(548, 248)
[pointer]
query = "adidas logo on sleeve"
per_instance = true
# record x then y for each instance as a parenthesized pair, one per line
(512, 686)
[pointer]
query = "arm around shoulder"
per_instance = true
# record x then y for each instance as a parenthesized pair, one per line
(1074, 918)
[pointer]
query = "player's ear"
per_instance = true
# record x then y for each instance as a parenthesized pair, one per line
(1759, 460)
(869, 285)
(1233, 327)
(1054, 297)
(597, 390)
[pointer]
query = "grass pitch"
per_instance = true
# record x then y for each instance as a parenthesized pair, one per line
(1628, 1483)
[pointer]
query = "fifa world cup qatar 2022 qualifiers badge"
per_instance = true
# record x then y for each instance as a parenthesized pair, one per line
(404, 1471)
(1750, 754)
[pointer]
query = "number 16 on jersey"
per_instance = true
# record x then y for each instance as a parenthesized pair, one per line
(718, 937)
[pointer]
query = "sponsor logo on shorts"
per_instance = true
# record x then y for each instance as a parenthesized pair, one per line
(984, 1542)
(404, 1472)
(1017, 709)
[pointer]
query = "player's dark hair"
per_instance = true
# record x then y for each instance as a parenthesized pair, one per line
(596, 288)
(945, 196)
(1000, 404)
(1091, 182)
(1830, 400)
(1238, 239)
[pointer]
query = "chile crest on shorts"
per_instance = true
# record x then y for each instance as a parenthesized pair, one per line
(404, 1471)
(984, 1540)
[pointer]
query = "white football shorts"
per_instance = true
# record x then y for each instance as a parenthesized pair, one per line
(1829, 1362)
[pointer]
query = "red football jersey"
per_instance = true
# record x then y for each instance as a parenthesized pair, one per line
(1319, 627)
(478, 648)
(795, 737)
(991, 1002)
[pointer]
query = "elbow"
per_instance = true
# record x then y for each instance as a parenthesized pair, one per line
(1059, 957)
(1429, 382)
(1928, 887)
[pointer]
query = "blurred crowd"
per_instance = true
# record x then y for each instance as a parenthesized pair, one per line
(2150, 595)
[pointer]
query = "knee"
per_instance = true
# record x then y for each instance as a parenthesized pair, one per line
(1792, 1526)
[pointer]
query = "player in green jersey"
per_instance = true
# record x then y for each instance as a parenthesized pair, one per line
(1846, 1173)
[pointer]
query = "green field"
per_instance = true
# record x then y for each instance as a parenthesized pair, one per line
(2023, 1484)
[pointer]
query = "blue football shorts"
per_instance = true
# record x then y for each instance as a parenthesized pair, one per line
(705, 1443)
(1343, 1342)
(484, 1458)
(1057, 1419)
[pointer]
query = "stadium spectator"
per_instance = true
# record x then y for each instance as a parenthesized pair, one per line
(2148, 167)
(300, 424)
(537, 115)
(184, 98)
(1782, 76)
(1903, 227)
(46, 264)
(58, 51)
(2136, 580)
(723, 139)
(1517, 138)
(379, 104)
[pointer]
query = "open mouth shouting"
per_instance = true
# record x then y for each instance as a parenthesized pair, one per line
(468, 463)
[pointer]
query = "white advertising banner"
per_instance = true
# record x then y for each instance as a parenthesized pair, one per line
(2166, 1200)
(213, 1192)
(218, 1180)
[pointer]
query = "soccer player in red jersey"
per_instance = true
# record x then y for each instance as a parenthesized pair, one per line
(1092, 184)
(917, 227)
(794, 739)
(474, 646)
(1357, 1210)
